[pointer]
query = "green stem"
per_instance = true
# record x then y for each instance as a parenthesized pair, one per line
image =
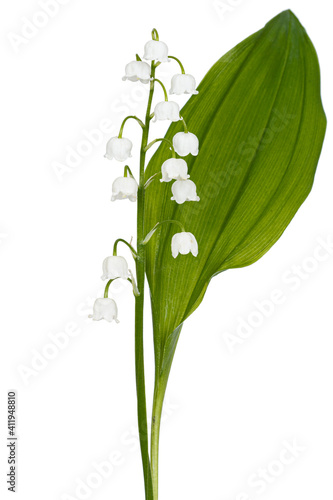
(120, 240)
(125, 120)
(127, 171)
(154, 35)
(161, 139)
(106, 291)
(185, 126)
(139, 304)
(163, 88)
(180, 64)
(161, 381)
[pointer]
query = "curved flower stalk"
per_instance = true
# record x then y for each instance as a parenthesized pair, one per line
(119, 148)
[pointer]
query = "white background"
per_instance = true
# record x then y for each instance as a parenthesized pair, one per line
(228, 414)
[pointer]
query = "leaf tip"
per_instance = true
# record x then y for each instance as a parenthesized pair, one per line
(286, 17)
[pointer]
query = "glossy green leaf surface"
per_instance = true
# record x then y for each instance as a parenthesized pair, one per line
(260, 123)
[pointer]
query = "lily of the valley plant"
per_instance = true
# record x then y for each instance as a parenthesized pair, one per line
(232, 170)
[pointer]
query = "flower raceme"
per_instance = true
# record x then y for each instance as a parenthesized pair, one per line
(173, 169)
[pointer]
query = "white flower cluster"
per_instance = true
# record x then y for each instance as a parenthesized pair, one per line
(114, 267)
(184, 143)
(173, 169)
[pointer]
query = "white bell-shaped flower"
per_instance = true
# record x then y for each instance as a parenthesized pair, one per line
(183, 84)
(115, 267)
(118, 148)
(186, 143)
(124, 188)
(174, 168)
(137, 71)
(184, 191)
(167, 110)
(184, 243)
(156, 51)
(105, 309)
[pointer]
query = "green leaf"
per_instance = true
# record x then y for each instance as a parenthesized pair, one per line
(260, 122)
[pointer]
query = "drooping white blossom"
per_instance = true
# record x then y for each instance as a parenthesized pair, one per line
(183, 84)
(167, 110)
(118, 148)
(105, 309)
(174, 168)
(124, 188)
(184, 243)
(115, 267)
(156, 51)
(186, 143)
(184, 191)
(137, 71)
